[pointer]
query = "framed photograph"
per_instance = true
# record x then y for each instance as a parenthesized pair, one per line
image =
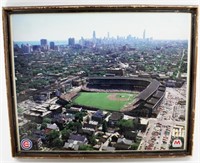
(101, 81)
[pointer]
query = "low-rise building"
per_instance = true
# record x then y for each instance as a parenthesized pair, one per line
(98, 116)
(73, 110)
(77, 138)
(51, 127)
(89, 127)
(37, 115)
(114, 118)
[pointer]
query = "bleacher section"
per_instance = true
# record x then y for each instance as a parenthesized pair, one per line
(117, 83)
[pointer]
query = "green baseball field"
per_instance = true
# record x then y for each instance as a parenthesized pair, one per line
(105, 101)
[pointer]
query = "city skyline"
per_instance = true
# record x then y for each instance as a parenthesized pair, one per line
(161, 26)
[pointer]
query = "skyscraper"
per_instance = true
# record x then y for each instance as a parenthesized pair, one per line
(26, 48)
(71, 41)
(43, 42)
(44, 45)
(94, 35)
(52, 45)
(108, 35)
(144, 34)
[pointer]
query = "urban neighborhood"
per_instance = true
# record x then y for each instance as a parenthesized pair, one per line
(101, 93)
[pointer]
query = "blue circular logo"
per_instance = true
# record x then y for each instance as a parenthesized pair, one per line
(26, 144)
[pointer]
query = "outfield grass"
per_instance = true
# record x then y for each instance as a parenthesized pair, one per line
(101, 100)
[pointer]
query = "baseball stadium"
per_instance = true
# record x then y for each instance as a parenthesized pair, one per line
(132, 96)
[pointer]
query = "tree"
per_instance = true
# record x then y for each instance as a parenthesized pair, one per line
(46, 120)
(70, 126)
(92, 140)
(57, 142)
(77, 126)
(32, 126)
(134, 146)
(85, 147)
(125, 125)
(19, 110)
(104, 127)
(130, 135)
(68, 106)
(65, 134)
(22, 130)
(43, 126)
(79, 116)
(53, 135)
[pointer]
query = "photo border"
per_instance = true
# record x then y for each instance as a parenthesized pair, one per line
(7, 11)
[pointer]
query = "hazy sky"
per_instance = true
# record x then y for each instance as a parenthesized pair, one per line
(33, 27)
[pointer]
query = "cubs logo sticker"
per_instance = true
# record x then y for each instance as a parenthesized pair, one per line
(26, 144)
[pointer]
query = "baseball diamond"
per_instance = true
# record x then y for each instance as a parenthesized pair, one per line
(105, 101)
